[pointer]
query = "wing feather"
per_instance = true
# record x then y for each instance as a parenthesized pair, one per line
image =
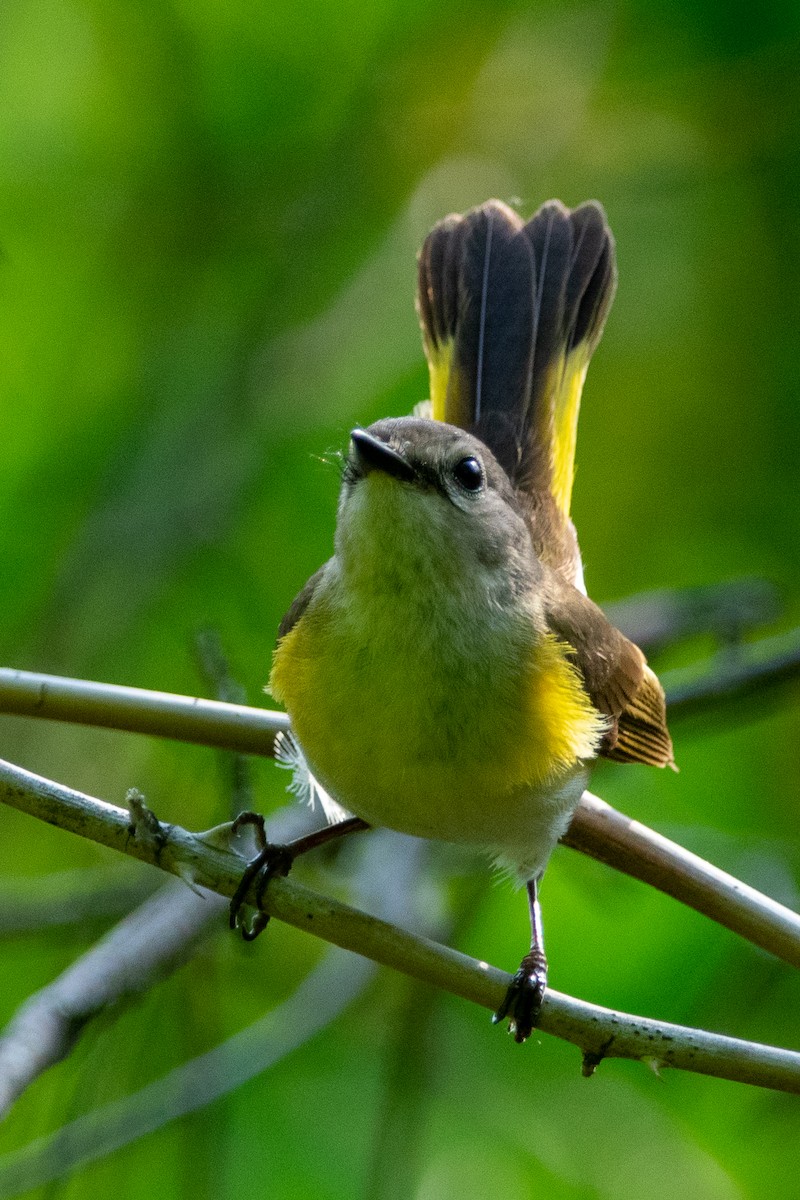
(615, 674)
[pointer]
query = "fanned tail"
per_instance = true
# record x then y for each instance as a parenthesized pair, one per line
(510, 315)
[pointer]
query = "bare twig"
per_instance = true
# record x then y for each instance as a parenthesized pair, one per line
(597, 1031)
(596, 830)
(142, 949)
(726, 610)
(160, 714)
(148, 945)
(600, 831)
(753, 668)
(385, 880)
(121, 965)
(318, 1000)
(742, 672)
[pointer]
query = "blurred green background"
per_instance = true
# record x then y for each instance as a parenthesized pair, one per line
(209, 215)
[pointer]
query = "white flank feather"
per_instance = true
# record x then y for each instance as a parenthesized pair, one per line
(289, 755)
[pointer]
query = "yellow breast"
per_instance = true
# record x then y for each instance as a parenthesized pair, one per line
(429, 733)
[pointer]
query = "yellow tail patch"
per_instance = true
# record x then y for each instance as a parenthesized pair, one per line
(568, 376)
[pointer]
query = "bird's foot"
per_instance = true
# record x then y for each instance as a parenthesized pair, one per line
(523, 1000)
(271, 860)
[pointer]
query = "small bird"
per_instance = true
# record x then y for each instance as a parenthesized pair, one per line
(444, 672)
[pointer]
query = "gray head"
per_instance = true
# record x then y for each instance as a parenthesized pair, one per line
(432, 499)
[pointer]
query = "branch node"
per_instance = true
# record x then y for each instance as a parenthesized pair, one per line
(593, 1058)
(220, 837)
(145, 827)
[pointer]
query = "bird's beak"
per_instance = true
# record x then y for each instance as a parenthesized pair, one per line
(374, 455)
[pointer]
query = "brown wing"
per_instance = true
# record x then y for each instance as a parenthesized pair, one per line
(615, 674)
(642, 734)
(300, 603)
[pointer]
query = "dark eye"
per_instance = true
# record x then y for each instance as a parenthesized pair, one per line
(469, 473)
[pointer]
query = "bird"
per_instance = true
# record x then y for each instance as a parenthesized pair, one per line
(445, 673)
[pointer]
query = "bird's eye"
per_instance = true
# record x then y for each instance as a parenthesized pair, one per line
(469, 473)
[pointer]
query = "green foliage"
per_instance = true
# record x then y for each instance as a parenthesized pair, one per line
(208, 221)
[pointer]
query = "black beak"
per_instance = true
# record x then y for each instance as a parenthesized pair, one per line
(374, 455)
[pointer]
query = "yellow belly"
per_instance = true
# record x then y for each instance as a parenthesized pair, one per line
(422, 733)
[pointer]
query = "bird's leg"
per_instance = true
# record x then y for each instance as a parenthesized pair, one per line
(272, 860)
(523, 1000)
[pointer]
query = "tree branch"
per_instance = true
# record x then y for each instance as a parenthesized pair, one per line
(328, 989)
(597, 829)
(148, 944)
(387, 880)
(741, 672)
(603, 833)
(204, 860)
(137, 710)
(47, 1025)
(727, 610)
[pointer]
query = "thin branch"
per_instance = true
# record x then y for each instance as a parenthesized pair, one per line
(318, 1001)
(156, 938)
(202, 858)
(137, 710)
(602, 832)
(727, 610)
(596, 829)
(387, 880)
(742, 672)
(145, 947)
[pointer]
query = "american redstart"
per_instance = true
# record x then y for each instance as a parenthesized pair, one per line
(445, 673)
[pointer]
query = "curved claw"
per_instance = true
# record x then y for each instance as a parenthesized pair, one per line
(523, 1000)
(271, 860)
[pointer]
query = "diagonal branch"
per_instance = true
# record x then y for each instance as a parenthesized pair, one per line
(603, 833)
(334, 983)
(744, 671)
(46, 1027)
(203, 859)
(318, 1001)
(597, 829)
(138, 710)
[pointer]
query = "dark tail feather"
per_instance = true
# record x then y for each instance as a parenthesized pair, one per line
(510, 315)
